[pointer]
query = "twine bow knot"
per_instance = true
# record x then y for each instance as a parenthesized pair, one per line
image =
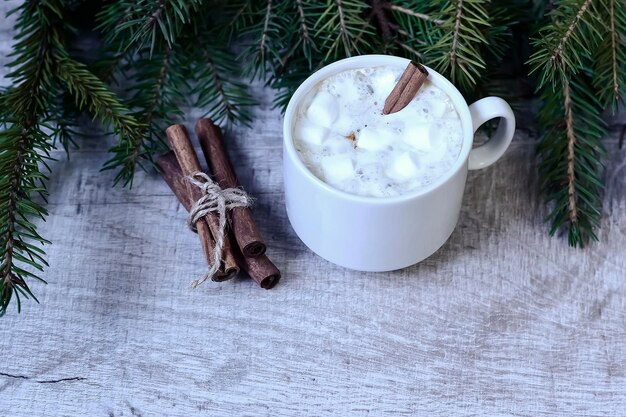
(214, 200)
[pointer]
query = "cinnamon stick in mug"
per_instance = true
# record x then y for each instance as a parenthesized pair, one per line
(189, 164)
(245, 230)
(407, 87)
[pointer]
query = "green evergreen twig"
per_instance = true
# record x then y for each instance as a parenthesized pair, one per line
(571, 149)
(42, 71)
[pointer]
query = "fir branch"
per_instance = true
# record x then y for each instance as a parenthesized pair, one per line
(571, 159)
(572, 34)
(299, 38)
(113, 50)
(557, 54)
(571, 142)
(42, 71)
(342, 29)
(241, 11)
(412, 13)
(23, 147)
(65, 115)
(91, 94)
(150, 105)
(263, 27)
(379, 14)
(498, 35)
(148, 41)
(265, 32)
(305, 29)
(286, 40)
(571, 151)
(458, 49)
(414, 28)
(172, 71)
(454, 48)
(290, 77)
(610, 60)
(224, 96)
(214, 74)
(155, 88)
(407, 48)
(146, 22)
(344, 35)
(613, 48)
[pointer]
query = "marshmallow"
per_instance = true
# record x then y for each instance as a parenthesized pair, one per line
(337, 168)
(345, 88)
(412, 113)
(418, 136)
(402, 168)
(374, 139)
(434, 108)
(336, 143)
(383, 83)
(438, 151)
(376, 191)
(344, 124)
(438, 142)
(323, 110)
(310, 133)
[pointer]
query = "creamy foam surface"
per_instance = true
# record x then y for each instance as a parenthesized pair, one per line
(344, 139)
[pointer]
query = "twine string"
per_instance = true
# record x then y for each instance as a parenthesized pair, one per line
(214, 200)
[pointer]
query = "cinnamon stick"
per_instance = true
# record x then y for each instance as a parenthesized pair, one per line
(170, 171)
(260, 268)
(407, 87)
(245, 230)
(189, 164)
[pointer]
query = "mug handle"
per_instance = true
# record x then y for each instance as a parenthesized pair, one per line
(481, 111)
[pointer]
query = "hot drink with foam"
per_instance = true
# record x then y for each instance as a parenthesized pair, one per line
(345, 140)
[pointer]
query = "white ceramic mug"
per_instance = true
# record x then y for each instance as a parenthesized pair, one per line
(383, 234)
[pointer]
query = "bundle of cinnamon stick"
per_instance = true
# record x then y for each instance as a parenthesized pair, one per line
(243, 246)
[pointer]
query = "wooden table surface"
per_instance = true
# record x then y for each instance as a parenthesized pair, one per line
(503, 320)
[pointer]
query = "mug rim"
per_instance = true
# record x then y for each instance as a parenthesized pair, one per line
(365, 61)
